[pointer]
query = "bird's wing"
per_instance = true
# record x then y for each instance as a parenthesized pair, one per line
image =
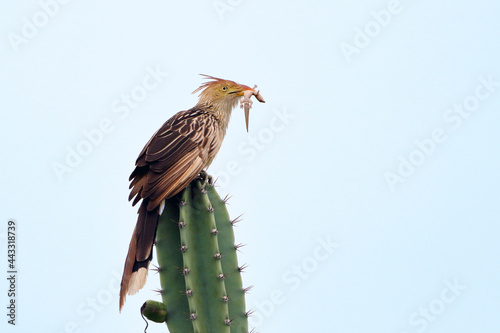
(173, 157)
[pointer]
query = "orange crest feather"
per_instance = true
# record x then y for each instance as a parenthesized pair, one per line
(208, 83)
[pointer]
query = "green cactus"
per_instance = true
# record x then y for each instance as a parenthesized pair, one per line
(201, 285)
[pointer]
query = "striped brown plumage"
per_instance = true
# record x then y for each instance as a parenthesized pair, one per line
(185, 145)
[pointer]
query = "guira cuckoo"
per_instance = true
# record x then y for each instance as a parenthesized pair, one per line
(185, 145)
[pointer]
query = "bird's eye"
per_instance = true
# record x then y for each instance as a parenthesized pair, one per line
(224, 88)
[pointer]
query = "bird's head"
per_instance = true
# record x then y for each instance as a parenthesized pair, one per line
(220, 92)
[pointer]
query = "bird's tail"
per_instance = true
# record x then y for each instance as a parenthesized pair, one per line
(140, 252)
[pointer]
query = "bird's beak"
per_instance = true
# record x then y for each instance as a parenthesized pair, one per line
(239, 91)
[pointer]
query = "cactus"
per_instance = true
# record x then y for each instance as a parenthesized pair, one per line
(201, 285)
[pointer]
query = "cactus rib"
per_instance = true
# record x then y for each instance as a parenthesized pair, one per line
(234, 289)
(168, 250)
(205, 277)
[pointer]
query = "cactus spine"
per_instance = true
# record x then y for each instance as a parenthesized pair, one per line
(199, 274)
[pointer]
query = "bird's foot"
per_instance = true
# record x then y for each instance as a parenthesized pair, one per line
(205, 178)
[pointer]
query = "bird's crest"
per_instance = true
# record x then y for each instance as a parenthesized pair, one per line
(208, 83)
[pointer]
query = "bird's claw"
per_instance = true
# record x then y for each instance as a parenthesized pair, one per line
(205, 178)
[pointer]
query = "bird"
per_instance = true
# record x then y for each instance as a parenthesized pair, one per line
(183, 147)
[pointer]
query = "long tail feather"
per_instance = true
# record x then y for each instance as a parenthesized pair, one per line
(140, 252)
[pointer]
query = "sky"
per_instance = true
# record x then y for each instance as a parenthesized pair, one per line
(368, 181)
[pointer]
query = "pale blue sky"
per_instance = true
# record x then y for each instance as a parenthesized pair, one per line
(368, 181)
